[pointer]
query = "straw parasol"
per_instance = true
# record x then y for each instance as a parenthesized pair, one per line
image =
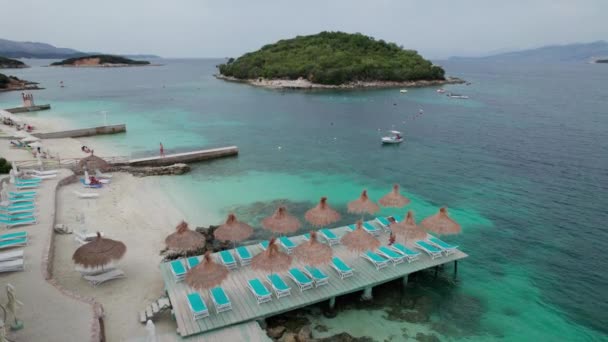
(313, 252)
(233, 230)
(441, 223)
(271, 259)
(363, 205)
(408, 228)
(93, 162)
(184, 240)
(99, 252)
(394, 199)
(281, 222)
(207, 274)
(359, 240)
(322, 214)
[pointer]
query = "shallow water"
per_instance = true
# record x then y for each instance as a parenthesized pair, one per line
(522, 165)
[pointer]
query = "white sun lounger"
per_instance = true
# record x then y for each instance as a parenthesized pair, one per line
(43, 173)
(88, 271)
(11, 255)
(429, 249)
(86, 194)
(103, 277)
(301, 279)
(344, 271)
(394, 257)
(259, 290)
(446, 248)
(244, 256)
(12, 265)
(329, 236)
(178, 269)
(44, 176)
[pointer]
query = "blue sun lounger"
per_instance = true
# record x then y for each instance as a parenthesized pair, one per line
(18, 216)
(20, 242)
(263, 245)
(306, 237)
(429, 249)
(287, 244)
(318, 276)
(409, 254)
(22, 199)
(220, 300)
(371, 229)
(26, 185)
(242, 253)
(28, 180)
(13, 236)
(259, 291)
(344, 271)
(191, 262)
(197, 306)
(178, 270)
(20, 222)
(376, 260)
(22, 193)
(16, 205)
(303, 282)
(385, 222)
(329, 236)
(227, 259)
(13, 211)
(280, 288)
(444, 246)
(394, 257)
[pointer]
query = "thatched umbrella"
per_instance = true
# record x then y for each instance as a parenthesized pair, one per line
(394, 199)
(206, 274)
(233, 230)
(271, 260)
(313, 252)
(99, 252)
(281, 222)
(322, 214)
(359, 240)
(93, 162)
(363, 205)
(184, 240)
(408, 228)
(441, 223)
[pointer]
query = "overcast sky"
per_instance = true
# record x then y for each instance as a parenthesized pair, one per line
(226, 28)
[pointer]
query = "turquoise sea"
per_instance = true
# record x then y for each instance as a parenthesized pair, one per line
(522, 165)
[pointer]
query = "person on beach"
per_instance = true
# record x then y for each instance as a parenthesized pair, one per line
(162, 150)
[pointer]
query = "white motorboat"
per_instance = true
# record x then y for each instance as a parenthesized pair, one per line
(441, 90)
(403, 91)
(457, 96)
(394, 137)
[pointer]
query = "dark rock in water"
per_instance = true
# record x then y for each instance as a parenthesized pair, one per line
(345, 337)
(288, 337)
(305, 334)
(427, 338)
(275, 332)
(321, 328)
(144, 171)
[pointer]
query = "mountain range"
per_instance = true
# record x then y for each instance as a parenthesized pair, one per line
(14, 49)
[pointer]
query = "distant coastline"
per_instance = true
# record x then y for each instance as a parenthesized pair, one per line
(100, 61)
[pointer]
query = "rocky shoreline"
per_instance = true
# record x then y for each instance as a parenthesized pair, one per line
(305, 84)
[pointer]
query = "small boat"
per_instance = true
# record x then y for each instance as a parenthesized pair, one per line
(394, 137)
(403, 91)
(457, 96)
(441, 90)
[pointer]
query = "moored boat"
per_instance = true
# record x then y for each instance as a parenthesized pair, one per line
(394, 137)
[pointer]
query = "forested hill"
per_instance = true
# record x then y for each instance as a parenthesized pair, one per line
(9, 63)
(333, 58)
(94, 60)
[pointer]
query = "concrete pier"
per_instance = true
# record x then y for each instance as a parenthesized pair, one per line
(28, 109)
(186, 157)
(83, 132)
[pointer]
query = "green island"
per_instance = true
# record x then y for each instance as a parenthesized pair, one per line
(8, 83)
(332, 60)
(100, 61)
(601, 61)
(9, 63)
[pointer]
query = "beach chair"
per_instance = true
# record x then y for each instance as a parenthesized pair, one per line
(220, 300)
(19, 216)
(11, 255)
(20, 210)
(191, 262)
(344, 271)
(259, 291)
(178, 270)
(394, 257)
(409, 254)
(376, 260)
(43, 177)
(429, 249)
(244, 256)
(385, 222)
(227, 259)
(263, 245)
(22, 193)
(12, 265)
(280, 288)
(306, 237)
(20, 222)
(366, 226)
(446, 248)
(26, 186)
(94, 270)
(28, 180)
(13, 236)
(329, 236)
(19, 205)
(42, 173)
(23, 199)
(100, 174)
(287, 244)
(318, 276)
(197, 306)
(86, 194)
(101, 278)
(303, 282)
(87, 179)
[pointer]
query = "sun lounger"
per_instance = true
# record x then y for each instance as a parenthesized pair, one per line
(259, 290)
(178, 270)
(287, 244)
(19, 216)
(11, 265)
(263, 245)
(227, 259)
(409, 254)
(13, 236)
(303, 282)
(83, 237)
(104, 277)
(306, 237)
(20, 222)
(220, 300)
(28, 180)
(26, 185)
(19, 205)
(192, 262)
(100, 174)
(22, 199)
(197, 306)
(318, 276)
(394, 257)
(446, 248)
(22, 193)
(89, 185)
(43, 173)
(329, 236)
(367, 227)
(89, 271)
(385, 222)
(11, 255)
(20, 210)
(344, 271)
(86, 194)
(429, 249)
(281, 289)
(43, 177)
(244, 256)
(376, 260)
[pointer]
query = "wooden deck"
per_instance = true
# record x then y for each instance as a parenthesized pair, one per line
(245, 307)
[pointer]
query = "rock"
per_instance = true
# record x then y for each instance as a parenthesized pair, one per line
(305, 334)
(321, 328)
(427, 338)
(288, 337)
(275, 332)
(175, 169)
